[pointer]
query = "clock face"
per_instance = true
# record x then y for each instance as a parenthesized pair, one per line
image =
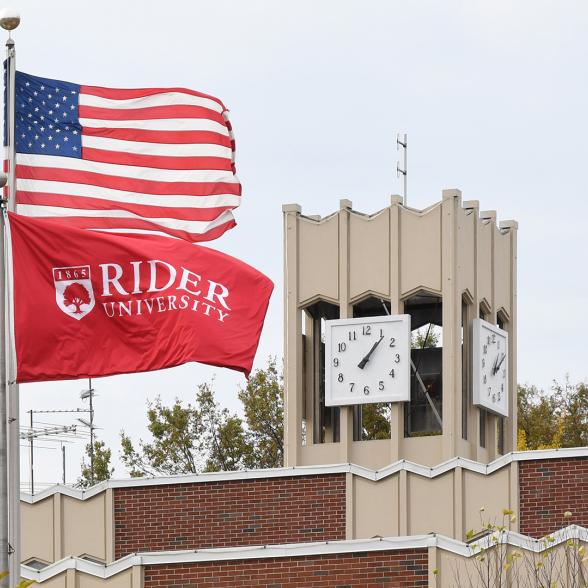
(367, 360)
(490, 369)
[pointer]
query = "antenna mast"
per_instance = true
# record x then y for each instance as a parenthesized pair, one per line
(401, 141)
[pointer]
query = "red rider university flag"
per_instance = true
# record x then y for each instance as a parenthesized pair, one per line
(89, 304)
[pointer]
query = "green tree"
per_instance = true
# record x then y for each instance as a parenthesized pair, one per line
(263, 405)
(206, 437)
(555, 419)
(174, 449)
(102, 470)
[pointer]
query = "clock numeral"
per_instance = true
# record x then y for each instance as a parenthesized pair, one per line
(336, 362)
(351, 386)
(381, 332)
(340, 377)
(392, 373)
(488, 339)
(493, 338)
(366, 390)
(380, 385)
(485, 349)
(352, 336)
(498, 396)
(489, 390)
(392, 342)
(502, 387)
(367, 330)
(342, 347)
(483, 363)
(484, 378)
(397, 358)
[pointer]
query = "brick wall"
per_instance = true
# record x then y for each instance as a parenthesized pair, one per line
(548, 488)
(229, 514)
(381, 569)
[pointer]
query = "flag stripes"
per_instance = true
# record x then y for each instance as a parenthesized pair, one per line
(147, 160)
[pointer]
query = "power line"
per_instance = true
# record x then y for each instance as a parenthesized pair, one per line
(62, 434)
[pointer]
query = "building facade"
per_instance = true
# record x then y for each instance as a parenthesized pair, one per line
(403, 506)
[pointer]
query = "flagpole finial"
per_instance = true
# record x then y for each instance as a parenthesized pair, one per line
(9, 19)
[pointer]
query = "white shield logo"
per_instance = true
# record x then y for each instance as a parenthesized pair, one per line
(73, 290)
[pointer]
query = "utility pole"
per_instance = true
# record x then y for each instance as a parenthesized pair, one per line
(32, 456)
(63, 462)
(89, 394)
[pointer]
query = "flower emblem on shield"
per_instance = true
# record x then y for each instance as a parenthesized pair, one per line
(73, 290)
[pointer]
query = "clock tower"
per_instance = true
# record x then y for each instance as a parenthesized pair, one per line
(400, 334)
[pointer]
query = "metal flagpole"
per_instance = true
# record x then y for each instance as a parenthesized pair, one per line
(10, 442)
(4, 582)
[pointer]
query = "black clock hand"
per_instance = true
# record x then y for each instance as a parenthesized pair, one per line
(500, 363)
(362, 363)
(494, 368)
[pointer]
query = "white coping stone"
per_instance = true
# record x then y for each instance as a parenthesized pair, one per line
(298, 550)
(360, 471)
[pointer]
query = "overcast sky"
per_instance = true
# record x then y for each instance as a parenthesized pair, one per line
(492, 95)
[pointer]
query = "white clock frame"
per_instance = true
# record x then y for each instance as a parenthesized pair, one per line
(486, 393)
(382, 360)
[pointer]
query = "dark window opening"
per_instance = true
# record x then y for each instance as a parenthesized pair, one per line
(325, 419)
(466, 346)
(424, 413)
(482, 427)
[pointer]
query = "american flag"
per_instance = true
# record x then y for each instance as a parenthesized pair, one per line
(150, 161)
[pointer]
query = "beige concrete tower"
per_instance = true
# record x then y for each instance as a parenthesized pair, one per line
(445, 266)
